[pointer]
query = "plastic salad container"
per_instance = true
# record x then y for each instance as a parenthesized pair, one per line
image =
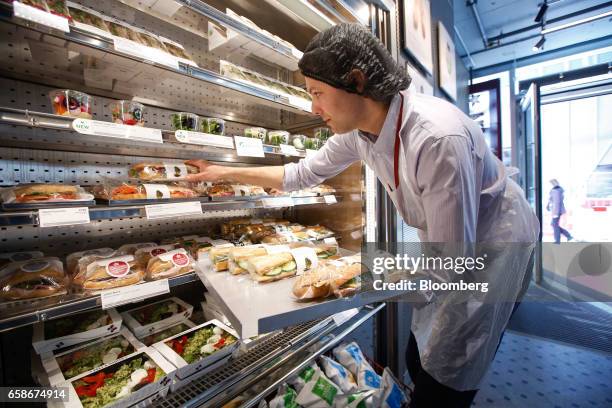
(71, 103)
(255, 132)
(212, 126)
(277, 137)
(184, 121)
(312, 143)
(298, 141)
(128, 113)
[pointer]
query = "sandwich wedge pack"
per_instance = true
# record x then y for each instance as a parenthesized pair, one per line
(198, 348)
(60, 333)
(154, 317)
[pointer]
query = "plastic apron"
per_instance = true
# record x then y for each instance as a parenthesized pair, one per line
(458, 336)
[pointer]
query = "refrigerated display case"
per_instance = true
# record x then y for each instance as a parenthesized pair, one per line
(182, 73)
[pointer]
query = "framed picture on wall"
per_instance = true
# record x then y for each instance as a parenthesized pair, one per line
(419, 82)
(446, 62)
(485, 110)
(417, 32)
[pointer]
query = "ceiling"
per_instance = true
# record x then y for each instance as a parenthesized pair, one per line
(505, 16)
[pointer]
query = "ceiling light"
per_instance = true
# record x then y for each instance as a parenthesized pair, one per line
(539, 45)
(577, 22)
(540, 15)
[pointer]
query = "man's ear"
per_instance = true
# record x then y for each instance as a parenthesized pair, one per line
(357, 78)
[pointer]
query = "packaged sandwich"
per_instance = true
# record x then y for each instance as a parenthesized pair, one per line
(198, 246)
(166, 265)
(110, 273)
(284, 261)
(72, 260)
(318, 232)
(10, 257)
(329, 278)
(136, 191)
(130, 249)
(143, 255)
(87, 18)
(164, 171)
(218, 255)
(43, 193)
(238, 257)
(35, 278)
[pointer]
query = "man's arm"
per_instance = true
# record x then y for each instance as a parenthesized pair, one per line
(336, 155)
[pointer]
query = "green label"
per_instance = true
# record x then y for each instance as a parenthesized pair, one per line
(289, 398)
(325, 390)
(307, 374)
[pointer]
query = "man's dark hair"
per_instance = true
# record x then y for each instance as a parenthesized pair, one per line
(333, 54)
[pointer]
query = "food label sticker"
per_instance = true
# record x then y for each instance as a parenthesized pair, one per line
(330, 199)
(166, 257)
(156, 191)
(276, 249)
(35, 266)
(175, 171)
(248, 146)
(160, 250)
(117, 269)
(24, 256)
(55, 217)
(158, 211)
(180, 260)
(330, 241)
(300, 255)
(289, 150)
(134, 293)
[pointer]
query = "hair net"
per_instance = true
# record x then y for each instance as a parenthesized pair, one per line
(332, 54)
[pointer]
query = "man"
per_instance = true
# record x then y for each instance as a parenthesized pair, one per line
(442, 178)
(556, 206)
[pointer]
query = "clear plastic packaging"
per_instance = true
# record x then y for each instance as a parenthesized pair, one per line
(322, 133)
(123, 191)
(58, 7)
(312, 144)
(194, 246)
(10, 257)
(125, 32)
(163, 171)
(67, 102)
(255, 132)
(39, 4)
(298, 141)
(43, 193)
(184, 121)
(143, 255)
(338, 374)
(35, 278)
(88, 17)
(173, 263)
(213, 126)
(130, 249)
(239, 256)
(166, 333)
(176, 50)
(219, 256)
(128, 113)
(277, 137)
(110, 273)
(74, 259)
(318, 392)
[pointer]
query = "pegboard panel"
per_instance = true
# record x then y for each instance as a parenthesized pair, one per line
(39, 58)
(113, 233)
(35, 97)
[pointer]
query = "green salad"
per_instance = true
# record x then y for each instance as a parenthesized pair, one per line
(88, 358)
(76, 324)
(201, 343)
(156, 312)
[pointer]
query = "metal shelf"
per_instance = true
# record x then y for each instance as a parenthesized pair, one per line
(291, 349)
(69, 140)
(63, 306)
(105, 212)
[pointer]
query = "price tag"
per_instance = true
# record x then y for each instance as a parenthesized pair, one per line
(157, 211)
(205, 139)
(277, 202)
(249, 146)
(55, 217)
(108, 129)
(310, 152)
(41, 17)
(330, 199)
(342, 317)
(289, 150)
(135, 293)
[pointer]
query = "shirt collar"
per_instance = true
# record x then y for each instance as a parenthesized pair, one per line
(386, 140)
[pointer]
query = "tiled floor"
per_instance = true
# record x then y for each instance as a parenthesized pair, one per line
(532, 372)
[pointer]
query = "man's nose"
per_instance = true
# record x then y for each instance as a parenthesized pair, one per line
(316, 109)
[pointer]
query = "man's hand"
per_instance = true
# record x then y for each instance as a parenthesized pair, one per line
(207, 171)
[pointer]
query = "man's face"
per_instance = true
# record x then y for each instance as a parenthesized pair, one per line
(338, 108)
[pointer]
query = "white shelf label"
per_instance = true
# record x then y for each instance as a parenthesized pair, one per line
(55, 217)
(135, 293)
(330, 199)
(289, 150)
(249, 146)
(310, 152)
(345, 316)
(157, 211)
(277, 202)
(206, 139)
(41, 17)
(108, 129)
